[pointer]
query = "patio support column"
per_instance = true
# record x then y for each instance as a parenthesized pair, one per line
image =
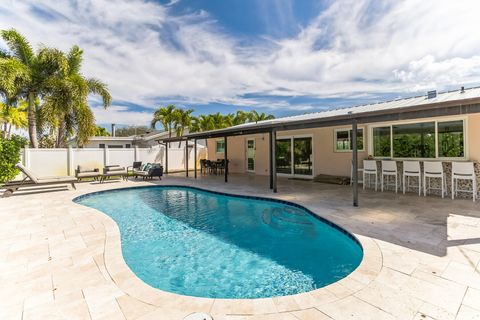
(226, 159)
(355, 163)
(195, 158)
(274, 160)
(166, 158)
(270, 145)
(186, 158)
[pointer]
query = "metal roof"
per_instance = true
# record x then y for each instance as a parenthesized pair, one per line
(449, 99)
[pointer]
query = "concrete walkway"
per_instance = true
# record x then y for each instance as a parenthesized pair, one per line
(60, 260)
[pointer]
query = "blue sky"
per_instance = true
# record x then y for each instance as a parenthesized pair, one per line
(276, 56)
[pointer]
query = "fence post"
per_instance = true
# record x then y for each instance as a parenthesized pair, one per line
(105, 156)
(69, 161)
(26, 157)
(135, 154)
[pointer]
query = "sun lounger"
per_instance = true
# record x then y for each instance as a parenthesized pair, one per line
(83, 172)
(32, 180)
(113, 171)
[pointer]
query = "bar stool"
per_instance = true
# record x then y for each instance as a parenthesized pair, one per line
(433, 170)
(370, 168)
(389, 169)
(463, 171)
(412, 169)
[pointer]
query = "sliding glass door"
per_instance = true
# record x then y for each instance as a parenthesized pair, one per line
(294, 156)
(302, 155)
(284, 156)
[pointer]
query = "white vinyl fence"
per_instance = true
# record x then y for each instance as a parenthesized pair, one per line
(63, 162)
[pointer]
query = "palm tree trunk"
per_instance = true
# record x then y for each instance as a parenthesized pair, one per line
(60, 143)
(9, 135)
(32, 121)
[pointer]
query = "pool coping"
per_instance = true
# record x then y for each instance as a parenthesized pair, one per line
(127, 281)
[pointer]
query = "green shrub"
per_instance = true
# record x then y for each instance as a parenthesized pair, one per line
(10, 156)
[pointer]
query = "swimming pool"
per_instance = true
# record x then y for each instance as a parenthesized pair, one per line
(206, 244)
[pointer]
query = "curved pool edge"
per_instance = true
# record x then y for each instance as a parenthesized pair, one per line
(127, 281)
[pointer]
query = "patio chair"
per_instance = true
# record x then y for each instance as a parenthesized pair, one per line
(411, 169)
(83, 172)
(369, 169)
(32, 180)
(136, 166)
(150, 171)
(389, 169)
(113, 171)
(463, 171)
(433, 170)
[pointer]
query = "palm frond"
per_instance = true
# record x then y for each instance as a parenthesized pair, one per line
(98, 87)
(18, 45)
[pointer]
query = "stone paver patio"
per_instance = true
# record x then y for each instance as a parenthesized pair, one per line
(60, 260)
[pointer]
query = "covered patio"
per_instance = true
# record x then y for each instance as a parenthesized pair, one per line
(460, 103)
(423, 258)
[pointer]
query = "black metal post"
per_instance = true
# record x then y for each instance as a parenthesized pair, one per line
(225, 156)
(270, 146)
(274, 160)
(195, 158)
(186, 158)
(355, 163)
(166, 158)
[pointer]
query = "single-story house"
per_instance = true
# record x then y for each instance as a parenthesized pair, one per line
(437, 126)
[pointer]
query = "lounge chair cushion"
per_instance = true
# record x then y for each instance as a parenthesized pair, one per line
(28, 173)
(83, 168)
(88, 174)
(115, 168)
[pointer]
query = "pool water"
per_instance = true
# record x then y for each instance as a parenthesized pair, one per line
(204, 244)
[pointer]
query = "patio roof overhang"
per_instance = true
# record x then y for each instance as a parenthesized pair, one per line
(421, 111)
(450, 108)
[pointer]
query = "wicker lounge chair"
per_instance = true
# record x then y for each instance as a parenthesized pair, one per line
(113, 171)
(31, 180)
(83, 172)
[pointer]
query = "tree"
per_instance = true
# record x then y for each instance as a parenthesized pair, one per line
(66, 100)
(12, 117)
(182, 120)
(10, 156)
(39, 68)
(254, 116)
(165, 115)
(101, 132)
(240, 117)
(131, 131)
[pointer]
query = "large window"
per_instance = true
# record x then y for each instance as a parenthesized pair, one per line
(416, 140)
(220, 146)
(343, 140)
(450, 139)
(382, 142)
(428, 140)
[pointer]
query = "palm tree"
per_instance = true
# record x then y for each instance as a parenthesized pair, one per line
(182, 120)
(254, 116)
(240, 117)
(66, 100)
(164, 115)
(40, 67)
(202, 123)
(12, 117)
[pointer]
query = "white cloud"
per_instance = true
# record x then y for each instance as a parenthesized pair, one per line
(121, 115)
(354, 47)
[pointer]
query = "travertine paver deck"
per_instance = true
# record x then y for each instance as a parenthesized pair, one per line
(60, 260)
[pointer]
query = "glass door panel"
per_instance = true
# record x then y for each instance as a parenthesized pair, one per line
(302, 149)
(283, 156)
(251, 155)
